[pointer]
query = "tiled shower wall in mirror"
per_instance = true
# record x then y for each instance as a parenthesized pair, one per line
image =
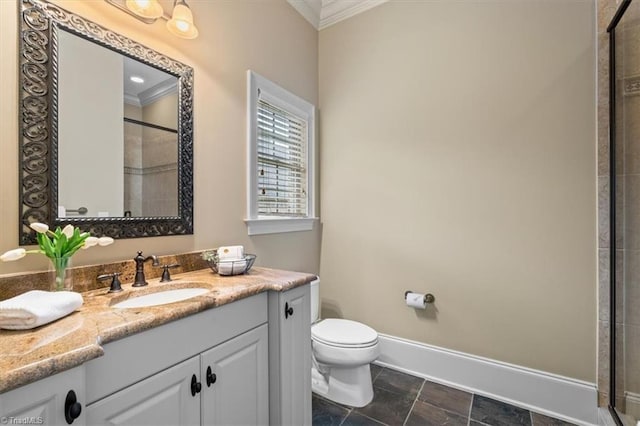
(150, 163)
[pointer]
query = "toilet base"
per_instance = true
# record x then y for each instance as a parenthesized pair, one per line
(348, 386)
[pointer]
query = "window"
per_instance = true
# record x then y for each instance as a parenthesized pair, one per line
(281, 128)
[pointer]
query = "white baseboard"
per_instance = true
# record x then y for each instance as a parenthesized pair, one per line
(632, 404)
(568, 399)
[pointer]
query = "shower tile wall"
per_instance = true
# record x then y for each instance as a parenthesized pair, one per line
(628, 207)
(159, 164)
(629, 132)
(606, 10)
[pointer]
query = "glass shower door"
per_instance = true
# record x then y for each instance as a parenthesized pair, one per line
(625, 178)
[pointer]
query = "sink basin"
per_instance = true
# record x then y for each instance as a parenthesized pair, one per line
(161, 298)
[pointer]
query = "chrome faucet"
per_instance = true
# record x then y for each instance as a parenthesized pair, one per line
(140, 280)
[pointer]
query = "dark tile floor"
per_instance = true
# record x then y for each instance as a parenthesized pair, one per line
(402, 399)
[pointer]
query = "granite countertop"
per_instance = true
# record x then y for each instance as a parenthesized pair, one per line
(30, 355)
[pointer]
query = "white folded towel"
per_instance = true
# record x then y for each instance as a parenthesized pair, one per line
(35, 308)
(230, 252)
(232, 267)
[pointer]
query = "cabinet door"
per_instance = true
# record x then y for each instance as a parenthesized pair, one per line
(162, 399)
(235, 389)
(43, 402)
(290, 357)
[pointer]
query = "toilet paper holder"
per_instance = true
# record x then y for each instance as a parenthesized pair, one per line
(428, 298)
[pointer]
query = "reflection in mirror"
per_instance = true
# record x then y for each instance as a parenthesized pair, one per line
(150, 171)
(101, 149)
(130, 131)
(150, 140)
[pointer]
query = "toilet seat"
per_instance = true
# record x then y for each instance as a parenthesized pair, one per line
(344, 333)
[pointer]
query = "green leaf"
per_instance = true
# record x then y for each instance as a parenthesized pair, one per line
(74, 243)
(75, 247)
(60, 243)
(55, 244)
(45, 245)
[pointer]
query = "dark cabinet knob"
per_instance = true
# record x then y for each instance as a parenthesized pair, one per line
(288, 310)
(211, 377)
(196, 386)
(72, 408)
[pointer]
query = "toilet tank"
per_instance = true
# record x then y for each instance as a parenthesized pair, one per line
(315, 299)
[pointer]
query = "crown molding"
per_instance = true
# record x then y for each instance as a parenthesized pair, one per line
(324, 13)
(158, 91)
(309, 9)
(334, 11)
(152, 94)
(130, 99)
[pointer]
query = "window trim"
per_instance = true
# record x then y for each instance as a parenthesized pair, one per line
(281, 98)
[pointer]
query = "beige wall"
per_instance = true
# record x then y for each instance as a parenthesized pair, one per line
(133, 111)
(269, 37)
(163, 112)
(458, 158)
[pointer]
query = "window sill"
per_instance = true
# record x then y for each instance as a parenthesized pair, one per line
(277, 225)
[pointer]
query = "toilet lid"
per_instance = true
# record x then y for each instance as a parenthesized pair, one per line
(343, 332)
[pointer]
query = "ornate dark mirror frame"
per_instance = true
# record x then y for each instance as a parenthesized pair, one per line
(39, 25)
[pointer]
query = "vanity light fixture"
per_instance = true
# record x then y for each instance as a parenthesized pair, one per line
(180, 23)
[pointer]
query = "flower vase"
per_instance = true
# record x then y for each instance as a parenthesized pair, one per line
(62, 281)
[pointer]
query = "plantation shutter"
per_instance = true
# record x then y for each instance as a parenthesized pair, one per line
(282, 162)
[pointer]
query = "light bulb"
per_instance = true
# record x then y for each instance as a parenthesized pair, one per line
(182, 26)
(149, 9)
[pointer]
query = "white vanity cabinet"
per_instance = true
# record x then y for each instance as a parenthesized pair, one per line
(133, 384)
(243, 363)
(235, 381)
(290, 357)
(45, 401)
(162, 399)
(226, 385)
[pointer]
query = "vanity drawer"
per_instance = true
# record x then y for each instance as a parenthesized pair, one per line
(133, 358)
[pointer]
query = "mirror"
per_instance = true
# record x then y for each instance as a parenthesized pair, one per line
(106, 128)
(132, 131)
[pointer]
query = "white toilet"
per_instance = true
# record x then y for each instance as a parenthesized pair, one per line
(342, 351)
